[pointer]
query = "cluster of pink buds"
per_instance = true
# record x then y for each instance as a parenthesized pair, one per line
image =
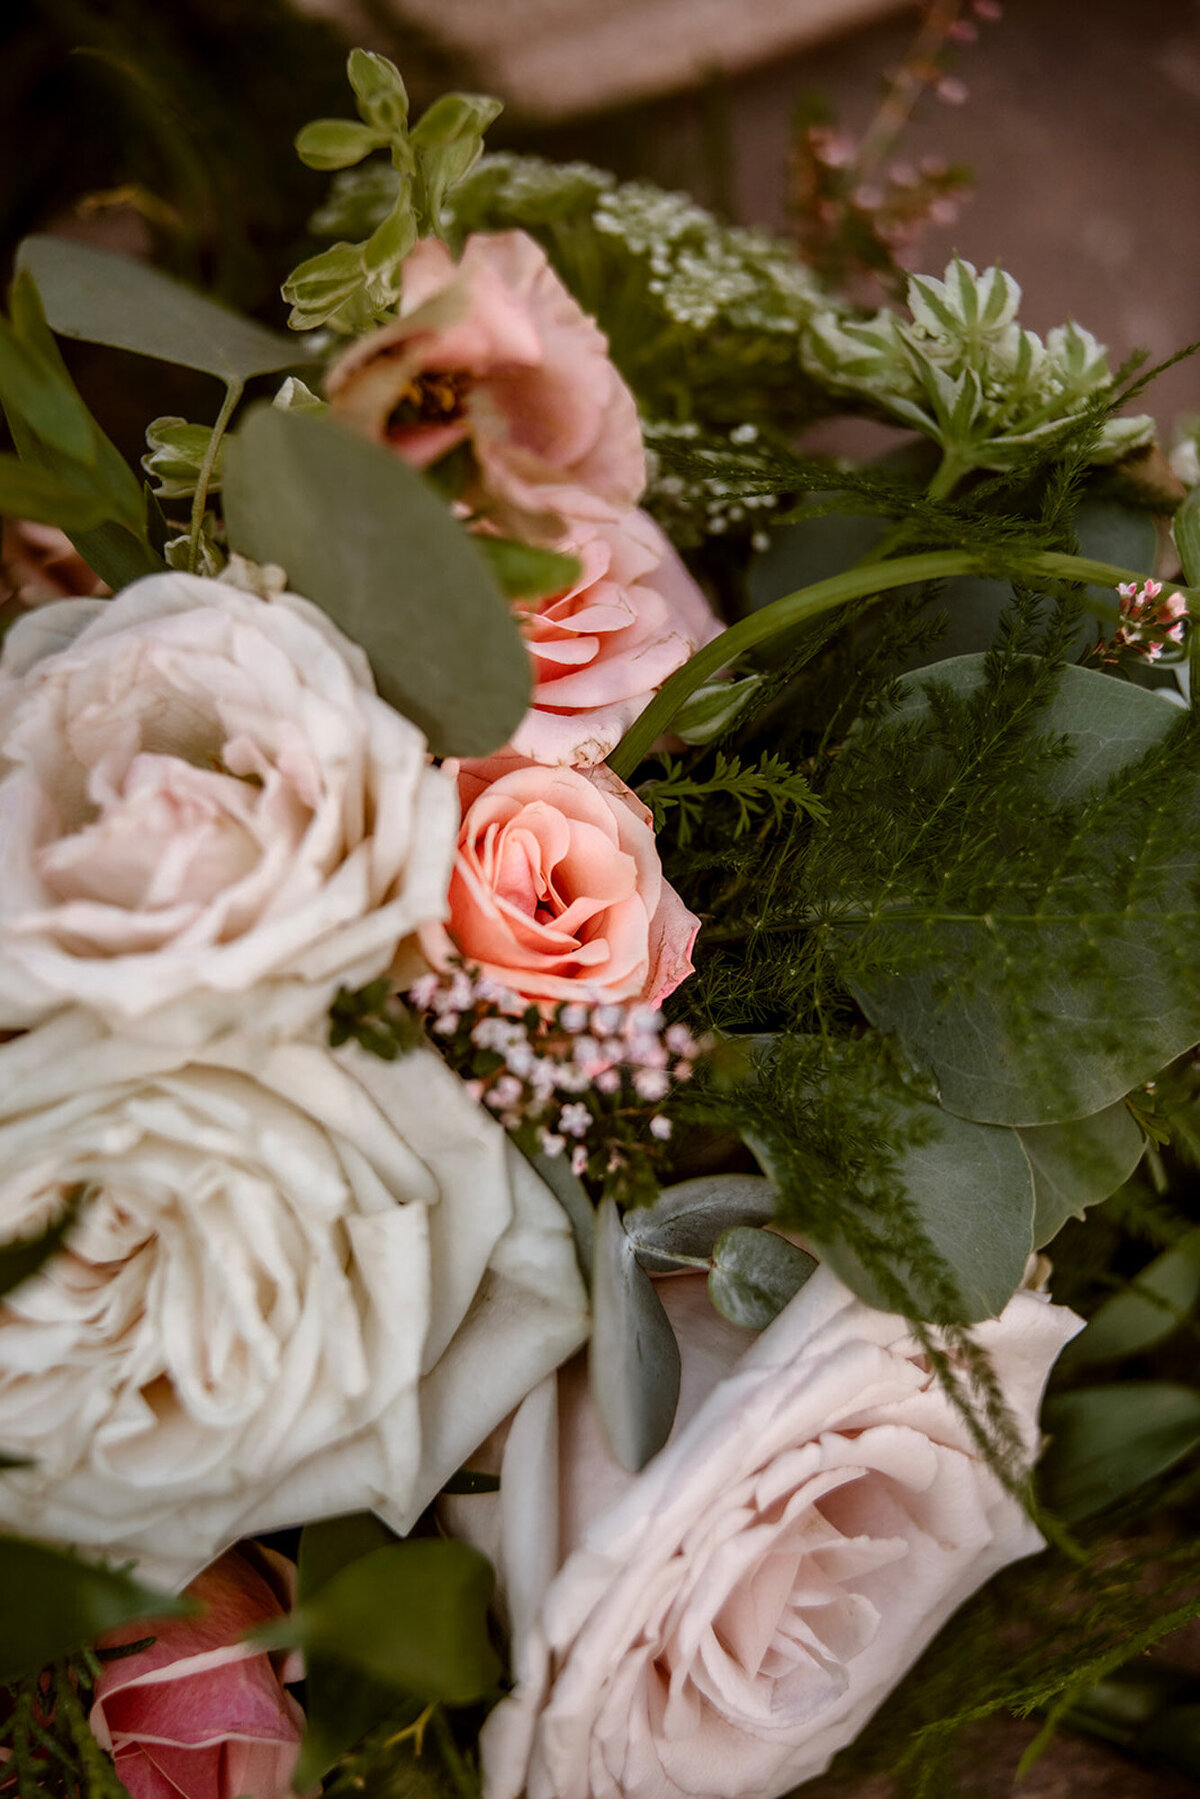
(585, 1080)
(1148, 622)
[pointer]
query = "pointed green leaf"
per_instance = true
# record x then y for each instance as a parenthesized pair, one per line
(46, 498)
(107, 299)
(633, 1358)
(379, 89)
(1078, 1164)
(367, 539)
(1145, 1313)
(33, 387)
(1106, 1442)
(52, 1603)
(411, 1615)
(754, 1275)
(525, 572)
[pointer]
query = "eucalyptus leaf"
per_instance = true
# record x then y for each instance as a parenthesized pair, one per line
(107, 299)
(367, 539)
(52, 1603)
(972, 1194)
(1107, 1441)
(1186, 526)
(686, 1220)
(1079, 1164)
(411, 1615)
(1121, 535)
(754, 1275)
(573, 1197)
(1113, 991)
(1150, 1309)
(633, 1358)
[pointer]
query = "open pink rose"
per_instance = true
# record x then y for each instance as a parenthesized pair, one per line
(199, 1714)
(557, 889)
(494, 351)
(719, 1625)
(602, 649)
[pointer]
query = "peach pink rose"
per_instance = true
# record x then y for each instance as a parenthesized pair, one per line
(494, 352)
(199, 1714)
(719, 1625)
(557, 889)
(602, 649)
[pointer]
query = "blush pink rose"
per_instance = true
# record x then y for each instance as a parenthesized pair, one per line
(602, 649)
(494, 352)
(721, 1624)
(199, 1714)
(557, 889)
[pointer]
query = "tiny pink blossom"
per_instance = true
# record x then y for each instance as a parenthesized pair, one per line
(661, 1128)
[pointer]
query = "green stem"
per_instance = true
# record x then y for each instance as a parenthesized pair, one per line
(453, 1761)
(233, 394)
(947, 475)
(868, 582)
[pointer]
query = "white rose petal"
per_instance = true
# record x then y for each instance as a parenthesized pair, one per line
(304, 1282)
(721, 1624)
(201, 794)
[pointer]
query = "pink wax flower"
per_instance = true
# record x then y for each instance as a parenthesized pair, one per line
(494, 352)
(602, 649)
(557, 890)
(198, 1713)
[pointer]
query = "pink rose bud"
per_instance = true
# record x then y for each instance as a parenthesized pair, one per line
(198, 1713)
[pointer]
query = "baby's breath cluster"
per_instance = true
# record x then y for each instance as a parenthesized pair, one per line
(586, 1081)
(693, 501)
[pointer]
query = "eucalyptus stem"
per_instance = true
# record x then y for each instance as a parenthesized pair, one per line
(233, 394)
(869, 581)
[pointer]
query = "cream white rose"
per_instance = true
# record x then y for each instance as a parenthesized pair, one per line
(304, 1282)
(202, 794)
(721, 1624)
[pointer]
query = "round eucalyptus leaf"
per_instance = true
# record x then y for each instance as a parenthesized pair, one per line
(1079, 1164)
(754, 1275)
(687, 1219)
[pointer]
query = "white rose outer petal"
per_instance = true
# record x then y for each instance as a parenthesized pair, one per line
(307, 1282)
(723, 1623)
(201, 794)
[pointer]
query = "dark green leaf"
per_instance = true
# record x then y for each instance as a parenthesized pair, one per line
(411, 1615)
(686, 1220)
(1098, 983)
(116, 555)
(367, 539)
(1079, 1164)
(1121, 535)
(21, 1260)
(754, 1275)
(972, 1193)
(1106, 1441)
(633, 1358)
(33, 387)
(331, 1544)
(47, 498)
(52, 1603)
(1186, 526)
(471, 1481)
(1150, 1309)
(525, 572)
(107, 299)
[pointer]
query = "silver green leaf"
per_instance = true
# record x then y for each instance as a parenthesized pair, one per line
(754, 1274)
(1079, 1164)
(370, 542)
(633, 1358)
(686, 1220)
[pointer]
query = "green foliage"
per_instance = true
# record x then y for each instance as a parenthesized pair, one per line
(52, 1603)
(411, 1615)
(69, 474)
(1079, 1163)
(355, 284)
(22, 1259)
(108, 299)
(754, 1274)
(176, 456)
(633, 1358)
(342, 516)
(965, 374)
(768, 789)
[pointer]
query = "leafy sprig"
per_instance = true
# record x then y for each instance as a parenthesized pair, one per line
(768, 789)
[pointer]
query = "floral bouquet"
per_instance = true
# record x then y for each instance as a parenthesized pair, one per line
(561, 961)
